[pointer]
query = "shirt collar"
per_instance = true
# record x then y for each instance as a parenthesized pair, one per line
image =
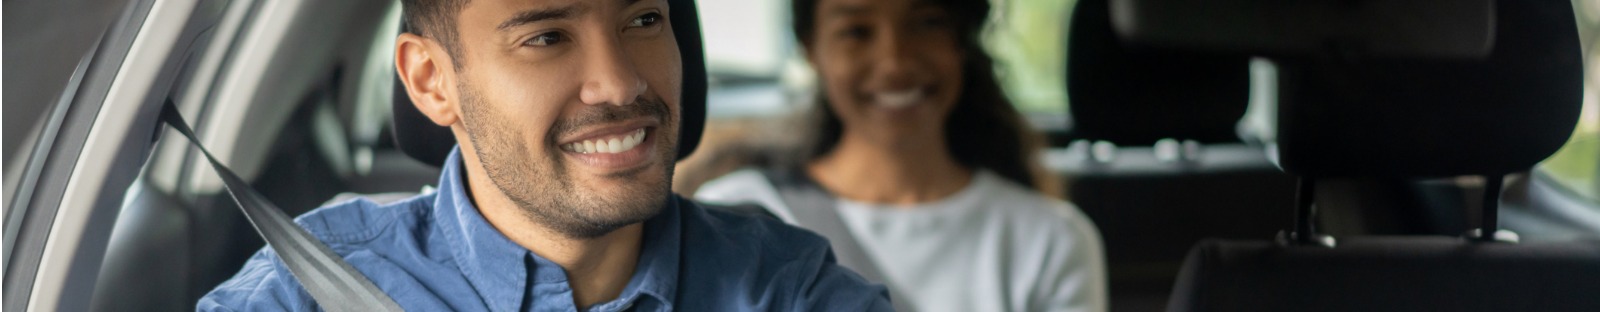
(497, 268)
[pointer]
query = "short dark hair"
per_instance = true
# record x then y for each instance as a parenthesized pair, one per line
(435, 19)
(983, 131)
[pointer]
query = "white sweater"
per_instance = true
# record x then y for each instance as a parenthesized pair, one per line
(993, 246)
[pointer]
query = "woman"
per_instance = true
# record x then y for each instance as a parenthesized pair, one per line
(919, 168)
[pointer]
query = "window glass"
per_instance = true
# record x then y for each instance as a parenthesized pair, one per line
(1028, 41)
(48, 40)
(749, 47)
(1576, 165)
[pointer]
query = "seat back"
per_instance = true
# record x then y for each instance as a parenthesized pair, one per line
(1343, 116)
(1151, 207)
(1391, 274)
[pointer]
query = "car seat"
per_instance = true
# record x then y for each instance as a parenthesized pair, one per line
(1158, 164)
(1413, 118)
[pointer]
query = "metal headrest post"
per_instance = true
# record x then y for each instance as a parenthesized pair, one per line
(1491, 207)
(1489, 219)
(1304, 232)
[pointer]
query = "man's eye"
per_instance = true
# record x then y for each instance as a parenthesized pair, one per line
(649, 19)
(545, 39)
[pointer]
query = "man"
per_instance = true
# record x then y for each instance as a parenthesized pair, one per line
(557, 197)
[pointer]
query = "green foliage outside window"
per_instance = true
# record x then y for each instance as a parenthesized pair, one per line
(1028, 41)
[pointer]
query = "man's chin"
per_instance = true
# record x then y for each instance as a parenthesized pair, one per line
(611, 211)
(611, 201)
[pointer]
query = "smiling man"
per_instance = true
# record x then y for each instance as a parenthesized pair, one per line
(558, 197)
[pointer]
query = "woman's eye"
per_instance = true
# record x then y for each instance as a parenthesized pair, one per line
(545, 39)
(854, 32)
(646, 20)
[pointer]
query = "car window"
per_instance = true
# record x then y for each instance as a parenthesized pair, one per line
(751, 58)
(1028, 41)
(48, 38)
(1576, 167)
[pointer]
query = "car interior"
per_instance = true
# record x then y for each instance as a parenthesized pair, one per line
(1355, 115)
(1224, 174)
(1157, 161)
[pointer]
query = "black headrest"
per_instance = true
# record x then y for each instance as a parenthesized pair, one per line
(1340, 116)
(430, 143)
(1136, 95)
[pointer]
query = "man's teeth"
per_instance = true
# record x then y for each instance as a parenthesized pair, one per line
(898, 99)
(610, 145)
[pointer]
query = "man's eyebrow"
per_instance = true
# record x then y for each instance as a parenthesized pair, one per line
(537, 15)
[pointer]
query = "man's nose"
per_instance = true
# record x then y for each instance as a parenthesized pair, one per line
(610, 77)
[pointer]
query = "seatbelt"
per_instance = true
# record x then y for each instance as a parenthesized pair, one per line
(814, 209)
(333, 283)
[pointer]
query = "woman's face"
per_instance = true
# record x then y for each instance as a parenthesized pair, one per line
(891, 69)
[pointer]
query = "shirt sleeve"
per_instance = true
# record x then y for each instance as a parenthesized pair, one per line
(264, 284)
(1078, 283)
(835, 288)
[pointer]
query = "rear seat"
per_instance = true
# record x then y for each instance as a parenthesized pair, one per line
(1171, 168)
(1352, 116)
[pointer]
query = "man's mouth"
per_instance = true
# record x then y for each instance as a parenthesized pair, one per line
(615, 149)
(612, 144)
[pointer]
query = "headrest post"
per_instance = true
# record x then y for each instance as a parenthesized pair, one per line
(1304, 232)
(1489, 224)
(1304, 211)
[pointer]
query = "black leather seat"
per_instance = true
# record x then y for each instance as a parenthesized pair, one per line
(1414, 273)
(1411, 119)
(1133, 95)
(1151, 210)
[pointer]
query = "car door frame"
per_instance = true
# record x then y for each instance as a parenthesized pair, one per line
(92, 150)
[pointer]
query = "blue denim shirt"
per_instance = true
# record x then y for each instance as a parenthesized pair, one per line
(435, 252)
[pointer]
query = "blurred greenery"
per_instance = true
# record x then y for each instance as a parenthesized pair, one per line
(1028, 43)
(1574, 166)
(1577, 165)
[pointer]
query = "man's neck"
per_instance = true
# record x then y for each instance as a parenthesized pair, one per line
(597, 268)
(901, 174)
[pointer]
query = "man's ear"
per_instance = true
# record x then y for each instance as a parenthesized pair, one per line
(427, 72)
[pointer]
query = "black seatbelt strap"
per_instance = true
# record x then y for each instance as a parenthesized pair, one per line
(333, 283)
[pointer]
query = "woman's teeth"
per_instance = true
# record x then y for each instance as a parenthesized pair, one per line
(610, 145)
(898, 99)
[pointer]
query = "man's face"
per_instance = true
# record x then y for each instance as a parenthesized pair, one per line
(571, 107)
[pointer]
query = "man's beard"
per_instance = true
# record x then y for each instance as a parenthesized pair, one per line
(543, 188)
